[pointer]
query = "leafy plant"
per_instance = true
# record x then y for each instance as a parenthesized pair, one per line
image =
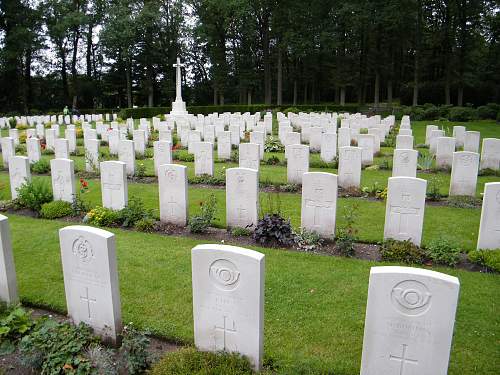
(133, 212)
(346, 234)
(443, 251)
(306, 240)
(241, 232)
(101, 359)
(425, 162)
(134, 349)
(273, 160)
(274, 230)
(464, 201)
(34, 194)
(13, 326)
(402, 251)
(41, 166)
(79, 206)
(12, 122)
(372, 190)
(56, 209)
(102, 217)
(273, 144)
(201, 222)
(146, 225)
(381, 194)
(486, 258)
(433, 189)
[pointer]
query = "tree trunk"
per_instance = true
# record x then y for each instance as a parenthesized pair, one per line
(64, 75)
(417, 54)
(336, 95)
(128, 72)
(305, 92)
(389, 92)
(249, 97)
(28, 97)
(342, 96)
(221, 98)
(279, 94)
(447, 91)
(215, 95)
(266, 58)
(295, 92)
(88, 56)
(376, 99)
(460, 96)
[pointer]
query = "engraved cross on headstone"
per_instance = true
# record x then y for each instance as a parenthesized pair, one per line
(225, 330)
(404, 213)
(171, 205)
(88, 301)
(403, 360)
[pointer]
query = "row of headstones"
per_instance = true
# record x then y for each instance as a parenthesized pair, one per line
(410, 312)
(404, 207)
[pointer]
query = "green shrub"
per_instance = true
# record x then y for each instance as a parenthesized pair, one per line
(12, 122)
(102, 217)
(205, 179)
(146, 225)
(486, 258)
(443, 251)
(486, 112)
(134, 348)
(15, 323)
(56, 209)
(464, 201)
(273, 160)
(402, 252)
(133, 212)
(182, 155)
(55, 348)
(140, 170)
(346, 235)
(41, 166)
(323, 164)
(434, 189)
(462, 114)
(307, 240)
(273, 230)
(191, 361)
(34, 194)
(273, 144)
(201, 222)
(241, 232)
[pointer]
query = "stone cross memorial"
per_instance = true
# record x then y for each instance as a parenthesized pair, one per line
(489, 229)
(228, 300)
(91, 279)
(114, 187)
(242, 197)
(8, 282)
(62, 172)
(404, 213)
(409, 321)
(173, 190)
(319, 203)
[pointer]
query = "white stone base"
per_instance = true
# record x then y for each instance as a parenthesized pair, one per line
(178, 108)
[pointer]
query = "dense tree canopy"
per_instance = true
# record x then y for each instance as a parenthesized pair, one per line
(119, 53)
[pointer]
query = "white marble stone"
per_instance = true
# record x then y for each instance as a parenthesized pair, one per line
(19, 173)
(404, 141)
(464, 173)
(242, 197)
(203, 158)
(315, 137)
(113, 141)
(428, 131)
(249, 156)
(126, 154)
(173, 190)
(61, 148)
(344, 137)
(193, 136)
(297, 162)
(14, 134)
(366, 143)
(376, 139)
(404, 163)
(234, 130)
(114, 189)
(91, 279)
(224, 145)
(40, 130)
(62, 172)
(228, 300)
(92, 155)
(140, 140)
(405, 132)
(50, 139)
(33, 149)
(165, 135)
(489, 229)
(162, 154)
(349, 167)
(319, 203)
(404, 214)
(490, 154)
(471, 142)
(260, 139)
(459, 135)
(329, 147)
(409, 321)
(8, 281)
(8, 150)
(435, 134)
(445, 147)
(70, 135)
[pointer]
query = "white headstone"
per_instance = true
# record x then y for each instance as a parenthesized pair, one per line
(33, 149)
(242, 197)
(113, 141)
(61, 148)
(319, 203)
(139, 138)
(260, 139)
(162, 154)
(62, 173)
(50, 139)
(459, 135)
(114, 187)
(315, 136)
(344, 137)
(249, 155)
(434, 135)
(91, 279)
(173, 188)
(404, 213)
(8, 282)
(445, 147)
(349, 167)
(8, 150)
(404, 141)
(297, 163)
(489, 229)
(490, 154)
(409, 321)
(126, 154)
(92, 155)
(464, 173)
(203, 158)
(404, 163)
(228, 300)
(70, 135)
(224, 145)
(366, 143)
(328, 147)
(471, 142)
(14, 134)
(19, 173)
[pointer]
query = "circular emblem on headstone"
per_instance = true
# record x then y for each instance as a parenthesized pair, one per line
(411, 297)
(83, 250)
(171, 175)
(404, 157)
(224, 274)
(466, 160)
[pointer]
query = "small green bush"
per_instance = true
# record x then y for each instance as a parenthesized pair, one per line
(486, 112)
(14, 323)
(102, 217)
(486, 258)
(133, 212)
(307, 240)
(201, 222)
(146, 225)
(273, 144)
(182, 156)
(273, 160)
(462, 114)
(443, 251)
(402, 252)
(346, 235)
(463, 201)
(41, 166)
(205, 179)
(274, 230)
(241, 232)
(134, 348)
(34, 194)
(191, 361)
(56, 209)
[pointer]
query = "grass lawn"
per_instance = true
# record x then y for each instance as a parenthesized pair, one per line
(460, 225)
(315, 305)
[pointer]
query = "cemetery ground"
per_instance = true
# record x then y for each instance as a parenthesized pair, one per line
(314, 304)
(314, 310)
